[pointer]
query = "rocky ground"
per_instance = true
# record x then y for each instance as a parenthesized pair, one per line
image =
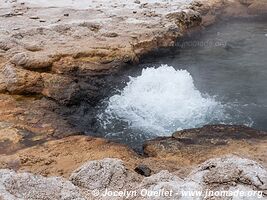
(93, 179)
(55, 55)
(181, 152)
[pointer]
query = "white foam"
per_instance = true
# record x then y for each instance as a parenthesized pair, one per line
(161, 101)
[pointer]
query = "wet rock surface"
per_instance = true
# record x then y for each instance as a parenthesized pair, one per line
(210, 136)
(28, 121)
(256, 7)
(61, 157)
(191, 147)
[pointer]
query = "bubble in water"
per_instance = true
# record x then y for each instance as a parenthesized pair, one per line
(161, 101)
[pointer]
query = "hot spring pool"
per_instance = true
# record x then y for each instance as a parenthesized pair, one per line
(216, 76)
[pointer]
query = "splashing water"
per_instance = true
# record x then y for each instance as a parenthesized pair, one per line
(161, 101)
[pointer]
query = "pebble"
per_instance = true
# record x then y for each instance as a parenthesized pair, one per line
(144, 5)
(66, 14)
(19, 13)
(42, 20)
(143, 170)
(111, 35)
(34, 17)
(12, 14)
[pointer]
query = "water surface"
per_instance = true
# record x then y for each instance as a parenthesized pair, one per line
(231, 65)
(216, 76)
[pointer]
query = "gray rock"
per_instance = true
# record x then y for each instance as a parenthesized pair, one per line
(106, 173)
(34, 17)
(163, 180)
(26, 186)
(32, 47)
(229, 173)
(7, 43)
(229, 169)
(19, 59)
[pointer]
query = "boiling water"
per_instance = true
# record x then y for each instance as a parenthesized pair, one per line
(160, 101)
(217, 76)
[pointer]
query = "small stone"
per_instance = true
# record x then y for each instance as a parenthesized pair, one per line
(19, 13)
(19, 59)
(48, 162)
(137, 2)
(34, 17)
(144, 5)
(143, 170)
(234, 184)
(111, 35)
(66, 14)
(32, 47)
(134, 12)
(24, 160)
(42, 20)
